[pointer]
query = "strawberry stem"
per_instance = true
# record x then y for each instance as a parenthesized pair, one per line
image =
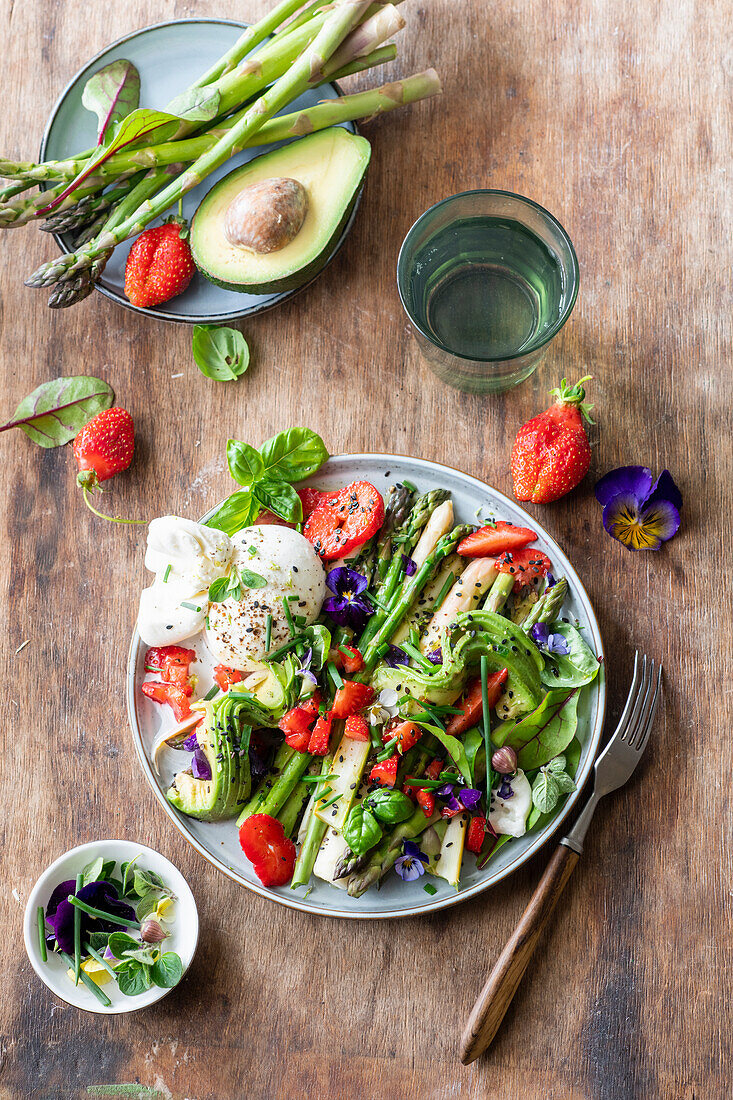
(111, 519)
(574, 395)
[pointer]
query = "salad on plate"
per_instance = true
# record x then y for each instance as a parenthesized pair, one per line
(393, 691)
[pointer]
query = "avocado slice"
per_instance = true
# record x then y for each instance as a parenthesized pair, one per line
(223, 795)
(330, 165)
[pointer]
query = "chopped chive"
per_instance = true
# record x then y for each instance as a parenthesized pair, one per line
(332, 800)
(167, 574)
(320, 795)
(252, 551)
(268, 632)
(378, 602)
(125, 922)
(486, 721)
(430, 889)
(211, 693)
(98, 958)
(333, 672)
(190, 606)
(300, 620)
(425, 784)
(293, 599)
(317, 778)
(91, 986)
(344, 651)
(299, 528)
(40, 917)
(283, 649)
(289, 617)
(409, 486)
(414, 637)
(245, 696)
(206, 622)
(414, 652)
(427, 716)
(383, 648)
(77, 931)
(387, 750)
(443, 592)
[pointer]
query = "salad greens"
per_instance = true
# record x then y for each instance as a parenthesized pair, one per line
(56, 411)
(220, 353)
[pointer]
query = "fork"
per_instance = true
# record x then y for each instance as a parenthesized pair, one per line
(612, 769)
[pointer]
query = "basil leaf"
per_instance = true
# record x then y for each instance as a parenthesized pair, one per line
(455, 749)
(132, 980)
(92, 871)
(238, 511)
(111, 94)
(251, 580)
(167, 971)
(280, 498)
(390, 806)
(56, 411)
(245, 463)
(294, 454)
(362, 830)
(119, 942)
(574, 669)
(220, 353)
(544, 732)
(318, 639)
(219, 590)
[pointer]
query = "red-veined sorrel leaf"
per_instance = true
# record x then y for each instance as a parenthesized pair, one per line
(112, 94)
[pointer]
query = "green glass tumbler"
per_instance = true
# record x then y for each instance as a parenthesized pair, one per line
(487, 279)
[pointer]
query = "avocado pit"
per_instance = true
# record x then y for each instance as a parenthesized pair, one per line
(266, 216)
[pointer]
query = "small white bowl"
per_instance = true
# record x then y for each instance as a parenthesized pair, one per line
(184, 929)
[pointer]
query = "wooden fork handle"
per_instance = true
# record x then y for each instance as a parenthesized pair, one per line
(502, 983)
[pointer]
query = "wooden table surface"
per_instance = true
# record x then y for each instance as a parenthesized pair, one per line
(616, 116)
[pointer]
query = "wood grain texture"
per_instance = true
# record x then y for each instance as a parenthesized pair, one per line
(616, 116)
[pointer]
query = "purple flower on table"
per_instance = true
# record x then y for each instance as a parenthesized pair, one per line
(304, 671)
(395, 657)
(101, 895)
(409, 566)
(348, 606)
(548, 642)
(435, 656)
(200, 766)
(409, 866)
(639, 512)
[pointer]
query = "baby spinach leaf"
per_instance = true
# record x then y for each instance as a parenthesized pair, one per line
(390, 806)
(544, 732)
(455, 749)
(280, 498)
(245, 463)
(56, 411)
(578, 667)
(112, 93)
(237, 511)
(132, 979)
(92, 871)
(473, 741)
(167, 971)
(362, 830)
(220, 353)
(119, 942)
(293, 454)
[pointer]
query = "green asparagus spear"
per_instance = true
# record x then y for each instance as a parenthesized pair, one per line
(281, 789)
(315, 830)
(385, 855)
(548, 606)
(249, 40)
(290, 813)
(498, 594)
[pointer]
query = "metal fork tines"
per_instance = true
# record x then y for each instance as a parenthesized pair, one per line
(623, 752)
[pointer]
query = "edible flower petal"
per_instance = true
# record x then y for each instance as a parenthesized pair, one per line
(409, 566)
(470, 797)
(200, 766)
(549, 643)
(409, 866)
(395, 657)
(305, 668)
(100, 895)
(348, 607)
(191, 742)
(435, 656)
(639, 512)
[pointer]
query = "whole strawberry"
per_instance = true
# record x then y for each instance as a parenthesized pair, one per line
(159, 265)
(103, 448)
(551, 453)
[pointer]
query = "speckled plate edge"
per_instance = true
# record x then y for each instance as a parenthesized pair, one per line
(435, 469)
(64, 243)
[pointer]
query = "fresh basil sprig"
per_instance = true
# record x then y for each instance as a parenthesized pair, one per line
(220, 352)
(362, 830)
(266, 475)
(390, 806)
(551, 782)
(230, 588)
(56, 411)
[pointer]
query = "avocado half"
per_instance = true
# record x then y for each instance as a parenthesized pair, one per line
(224, 794)
(331, 165)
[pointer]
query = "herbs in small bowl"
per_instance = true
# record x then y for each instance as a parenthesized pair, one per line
(111, 926)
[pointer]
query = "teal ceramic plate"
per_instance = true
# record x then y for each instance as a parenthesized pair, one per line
(188, 47)
(218, 843)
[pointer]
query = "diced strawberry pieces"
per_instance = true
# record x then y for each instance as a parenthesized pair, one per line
(350, 664)
(385, 772)
(271, 853)
(525, 566)
(172, 663)
(426, 801)
(434, 768)
(321, 735)
(170, 694)
(356, 728)
(488, 541)
(225, 676)
(296, 725)
(407, 734)
(351, 698)
(476, 834)
(311, 705)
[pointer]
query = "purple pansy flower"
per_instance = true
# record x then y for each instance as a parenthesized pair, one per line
(470, 798)
(549, 581)
(639, 512)
(348, 607)
(549, 643)
(191, 742)
(409, 865)
(304, 671)
(435, 656)
(200, 766)
(101, 895)
(409, 566)
(506, 791)
(395, 657)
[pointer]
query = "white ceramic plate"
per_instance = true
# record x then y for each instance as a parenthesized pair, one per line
(184, 929)
(190, 47)
(219, 842)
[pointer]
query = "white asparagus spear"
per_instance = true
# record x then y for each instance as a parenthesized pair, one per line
(419, 614)
(439, 524)
(465, 595)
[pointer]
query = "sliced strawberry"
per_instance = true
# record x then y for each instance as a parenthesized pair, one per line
(525, 566)
(271, 853)
(356, 728)
(426, 801)
(344, 520)
(472, 702)
(171, 694)
(296, 725)
(407, 734)
(321, 735)
(311, 704)
(385, 772)
(310, 499)
(475, 835)
(489, 541)
(225, 676)
(350, 664)
(351, 698)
